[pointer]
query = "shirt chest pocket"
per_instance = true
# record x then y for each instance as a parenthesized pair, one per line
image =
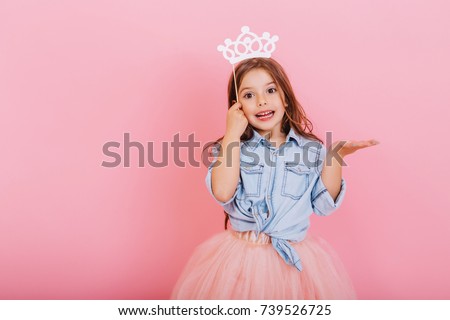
(296, 180)
(251, 177)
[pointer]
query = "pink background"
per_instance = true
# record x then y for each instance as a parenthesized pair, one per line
(77, 74)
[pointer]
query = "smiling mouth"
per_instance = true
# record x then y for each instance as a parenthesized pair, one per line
(265, 114)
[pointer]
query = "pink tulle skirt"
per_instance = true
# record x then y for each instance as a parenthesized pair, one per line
(237, 265)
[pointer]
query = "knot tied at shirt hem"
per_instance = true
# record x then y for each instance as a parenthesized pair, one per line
(287, 252)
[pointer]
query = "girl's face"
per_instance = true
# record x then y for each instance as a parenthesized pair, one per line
(262, 101)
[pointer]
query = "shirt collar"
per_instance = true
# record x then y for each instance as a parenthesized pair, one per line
(257, 138)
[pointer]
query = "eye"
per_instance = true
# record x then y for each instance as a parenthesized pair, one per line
(272, 90)
(248, 95)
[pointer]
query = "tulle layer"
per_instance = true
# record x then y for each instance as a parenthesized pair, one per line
(234, 265)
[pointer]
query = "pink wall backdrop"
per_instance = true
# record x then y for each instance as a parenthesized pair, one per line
(77, 74)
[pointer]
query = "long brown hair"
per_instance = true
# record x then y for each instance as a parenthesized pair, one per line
(294, 117)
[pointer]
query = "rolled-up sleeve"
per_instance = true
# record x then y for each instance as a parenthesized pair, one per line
(322, 201)
(208, 181)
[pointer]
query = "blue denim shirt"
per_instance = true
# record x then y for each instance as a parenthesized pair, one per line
(278, 189)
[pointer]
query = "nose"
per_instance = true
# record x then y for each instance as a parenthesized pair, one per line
(261, 103)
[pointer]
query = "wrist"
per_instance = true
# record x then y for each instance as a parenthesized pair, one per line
(334, 159)
(232, 136)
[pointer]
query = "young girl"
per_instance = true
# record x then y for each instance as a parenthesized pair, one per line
(270, 174)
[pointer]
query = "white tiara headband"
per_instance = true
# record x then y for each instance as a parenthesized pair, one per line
(247, 45)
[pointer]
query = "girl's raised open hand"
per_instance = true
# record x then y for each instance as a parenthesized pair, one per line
(236, 120)
(350, 146)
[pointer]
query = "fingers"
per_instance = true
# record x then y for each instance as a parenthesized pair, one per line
(369, 143)
(236, 105)
(362, 143)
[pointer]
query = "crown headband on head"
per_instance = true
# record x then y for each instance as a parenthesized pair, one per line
(247, 45)
(232, 51)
